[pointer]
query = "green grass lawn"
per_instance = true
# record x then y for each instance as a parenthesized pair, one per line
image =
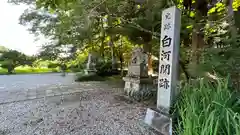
(3, 71)
(30, 70)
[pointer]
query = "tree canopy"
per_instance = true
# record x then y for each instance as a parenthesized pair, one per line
(209, 30)
(10, 59)
(3, 49)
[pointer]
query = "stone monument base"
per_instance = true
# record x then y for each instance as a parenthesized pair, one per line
(139, 88)
(158, 121)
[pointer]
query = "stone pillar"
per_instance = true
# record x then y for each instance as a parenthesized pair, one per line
(90, 67)
(160, 118)
(89, 61)
(169, 59)
(137, 81)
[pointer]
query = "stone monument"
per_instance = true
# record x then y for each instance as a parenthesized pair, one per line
(160, 118)
(137, 81)
(91, 64)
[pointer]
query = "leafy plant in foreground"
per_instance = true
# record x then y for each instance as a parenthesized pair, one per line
(208, 110)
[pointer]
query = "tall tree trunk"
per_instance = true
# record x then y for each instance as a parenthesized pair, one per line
(197, 43)
(121, 58)
(234, 31)
(10, 69)
(232, 27)
(112, 53)
(103, 38)
(121, 64)
(102, 47)
(184, 69)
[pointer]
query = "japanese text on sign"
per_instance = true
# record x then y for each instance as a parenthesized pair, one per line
(167, 41)
(165, 55)
(167, 26)
(164, 83)
(165, 69)
(169, 59)
(168, 16)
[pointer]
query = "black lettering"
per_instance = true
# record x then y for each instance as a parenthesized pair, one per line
(165, 69)
(167, 26)
(166, 42)
(164, 83)
(165, 55)
(168, 16)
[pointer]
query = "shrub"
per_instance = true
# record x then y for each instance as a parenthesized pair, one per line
(9, 65)
(105, 69)
(3, 71)
(53, 65)
(205, 109)
(54, 70)
(80, 77)
(77, 68)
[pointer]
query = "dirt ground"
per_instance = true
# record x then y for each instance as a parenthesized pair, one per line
(91, 108)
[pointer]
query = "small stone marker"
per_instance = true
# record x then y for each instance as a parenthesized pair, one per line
(168, 68)
(90, 67)
(89, 61)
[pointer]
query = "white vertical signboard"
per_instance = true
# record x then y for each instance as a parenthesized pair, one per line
(169, 58)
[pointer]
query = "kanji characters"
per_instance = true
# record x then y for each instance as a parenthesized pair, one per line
(164, 83)
(167, 26)
(165, 69)
(165, 55)
(168, 16)
(166, 41)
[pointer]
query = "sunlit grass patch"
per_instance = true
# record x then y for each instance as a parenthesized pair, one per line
(30, 70)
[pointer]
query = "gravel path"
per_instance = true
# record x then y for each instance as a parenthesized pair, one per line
(92, 108)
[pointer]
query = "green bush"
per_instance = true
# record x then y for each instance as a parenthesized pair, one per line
(80, 77)
(77, 68)
(55, 70)
(105, 69)
(207, 109)
(3, 71)
(53, 65)
(9, 65)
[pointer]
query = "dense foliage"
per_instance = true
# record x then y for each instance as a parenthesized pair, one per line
(11, 59)
(209, 35)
